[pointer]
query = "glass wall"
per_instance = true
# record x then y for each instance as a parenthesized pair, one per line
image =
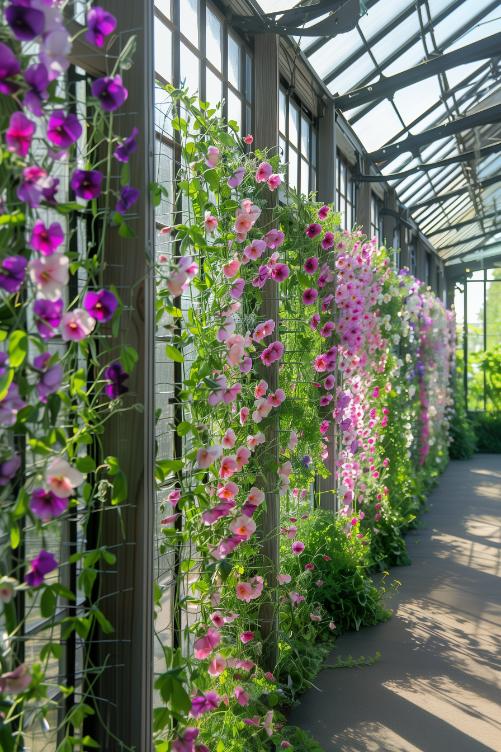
(345, 193)
(298, 143)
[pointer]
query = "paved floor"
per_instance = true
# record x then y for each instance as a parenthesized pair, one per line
(437, 686)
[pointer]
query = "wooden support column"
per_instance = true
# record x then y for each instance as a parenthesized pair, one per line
(326, 487)
(123, 690)
(364, 193)
(266, 76)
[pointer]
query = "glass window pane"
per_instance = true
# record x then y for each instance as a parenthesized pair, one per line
(305, 177)
(305, 136)
(248, 78)
(189, 69)
(213, 39)
(213, 88)
(233, 62)
(188, 10)
(293, 165)
(342, 177)
(234, 107)
(163, 51)
(282, 148)
(313, 147)
(248, 119)
(164, 7)
(293, 124)
(282, 108)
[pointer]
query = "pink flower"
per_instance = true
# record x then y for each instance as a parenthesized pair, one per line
(296, 598)
(329, 382)
(76, 325)
(327, 241)
(228, 491)
(311, 265)
(309, 296)
(274, 181)
(204, 704)
(228, 467)
(205, 645)
(263, 330)
(297, 548)
(293, 439)
(260, 389)
(206, 456)
(217, 666)
(186, 742)
(279, 272)
(249, 591)
(244, 415)
(229, 439)
(323, 212)
(212, 156)
(264, 171)
(284, 744)
(268, 723)
(19, 134)
(313, 230)
(269, 676)
(242, 457)
(232, 267)
(272, 353)
(217, 619)
(62, 478)
(243, 526)
(255, 441)
(241, 696)
(170, 519)
(15, 682)
(255, 250)
(314, 321)
(274, 239)
(246, 365)
(315, 617)
(327, 329)
(246, 637)
(237, 177)
(332, 625)
(210, 222)
(277, 398)
(283, 579)
(50, 275)
(248, 139)
(237, 288)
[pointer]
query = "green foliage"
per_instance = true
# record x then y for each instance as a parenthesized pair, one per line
(462, 430)
(487, 428)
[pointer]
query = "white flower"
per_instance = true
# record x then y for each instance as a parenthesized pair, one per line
(62, 478)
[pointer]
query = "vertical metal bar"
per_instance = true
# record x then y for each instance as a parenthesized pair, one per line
(465, 341)
(484, 327)
(266, 73)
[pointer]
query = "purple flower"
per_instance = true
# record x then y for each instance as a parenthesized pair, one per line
(37, 78)
(63, 130)
(127, 147)
(41, 565)
(48, 315)
(110, 91)
(100, 24)
(313, 230)
(306, 460)
(86, 183)
(46, 240)
(26, 23)
(12, 273)
(50, 376)
(128, 197)
(327, 241)
(101, 305)
(115, 376)
(10, 406)
(19, 134)
(9, 468)
(309, 296)
(4, 362)
(237, 177)
(9, 66)
(46, 505)
(279, 272)
(37, 185)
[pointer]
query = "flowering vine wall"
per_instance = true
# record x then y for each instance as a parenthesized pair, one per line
(360, 349)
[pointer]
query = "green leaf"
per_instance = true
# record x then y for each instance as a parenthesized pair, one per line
(5, 382)
(85, 464)
(161, 718)
(48, 603)
(184, 428)
(174, 354)
(78, 382)
(128, 357)
(15, 537)
(106, 626)
(180, 699)
(120, 489)
(125, 231)
(88, 741)
(17, 348)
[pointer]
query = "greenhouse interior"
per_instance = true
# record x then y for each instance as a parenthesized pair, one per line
(250, 375)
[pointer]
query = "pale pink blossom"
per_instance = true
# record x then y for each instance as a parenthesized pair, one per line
(283, 579)
(62, 478)
(210, 222)
(217, 665)
(263, 173)
(274, 181)
(204, 646)
(243, 526)
(242, 457)
(76, 325)
(229, 439)
(212, 156)
(50, 275)
(228, 491)
(228, 467)
(232, 268)
(241, 696)
(206, 456)
(244, 415)
(260, 389)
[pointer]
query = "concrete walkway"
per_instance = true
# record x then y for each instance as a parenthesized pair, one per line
(437, 686)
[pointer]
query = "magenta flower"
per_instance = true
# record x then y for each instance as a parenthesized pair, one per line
(309, 296)
(255, 250)
(110, 91)
(12, 273)
(101, 305)
(46, 505)
(63, 130)
(127, 147)
(274, 239)
(19, 134)
(279, 272)
(327, 241)
(313, 230)
(237, 177)
(9, 67)
(25, 22)
(323, 212)
(237, 288)
(272, 353)
(311, 265)
(76, 325)
(50, 376)
(315, 321)
(86, 183)
(9, 468)
(54, 51)
(246, 637)
(37, 78)
(48, 315)
(128, 197)
(10, 406)
(17, 681)
(100, 24)
(264, 171)
(41, 565)
(274, 181)
(37, 185)
(115, 376)
(186, 742)
(46, 240)
(212, 156)
(204, 646)
(204, 704)
(297, 548)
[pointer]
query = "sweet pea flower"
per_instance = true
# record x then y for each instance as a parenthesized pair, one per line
(41, 565)
(9, 468)
(293, 439)
(323, 212)
(46, 505)
(37, 78)
(9, 67)
(50, 274)
(241, 695)
(255, 441)
(100, 24)
(110, 91)
(100, 304)
(186, 742)
(212, 156)
(232, 267)
(50, 377)
(243, 526)
(272, 353)
(274, 181)
(15, 682)
(268, 723)
(86, 183)
(244, 415)
(204, 704)
(296, 598)
(26, 23)
(115, 377)
(249, 591)
(264, 172)
(228, 491)
(128, 197)
(297, 548)
(210, 222)
(12, 273)
(237, 177)
(260, 389)
(46, 240)
(54, 51)
(280, 272)
(249, 139)
(329, 382)
(62, 478)
(48, 315)
(127, 147)
(35, 186)
(76, 325)
(19, 134)
(313, 230)
(229, 439)
(309, 296)
(228, 467)
(237, 288)
(276, 398)
(274, 238)
(332, 625)
(263, 330)
(217, 666)
(311, 265)
(242, 457)
(327, 241)
(255, 250)
(206, 456)
(283, 579)
(204, 646)
(10, 406)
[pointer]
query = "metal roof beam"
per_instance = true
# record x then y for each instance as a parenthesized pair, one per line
(451, 194)
(460, 225)
(470, 239)
(414, 143)
(467, 156)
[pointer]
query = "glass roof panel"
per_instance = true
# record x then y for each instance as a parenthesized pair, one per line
(399, 36)
(409, 59)
(416, 99)
(491, 24)
(371, 23)
(457, 19)
(378, 126)
(349, 79)
(332, 53)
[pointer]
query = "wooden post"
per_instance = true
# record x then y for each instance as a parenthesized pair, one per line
(124, 690)
(326, 487)
(266, 76)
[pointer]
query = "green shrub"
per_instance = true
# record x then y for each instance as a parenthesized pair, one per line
(487, 427)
